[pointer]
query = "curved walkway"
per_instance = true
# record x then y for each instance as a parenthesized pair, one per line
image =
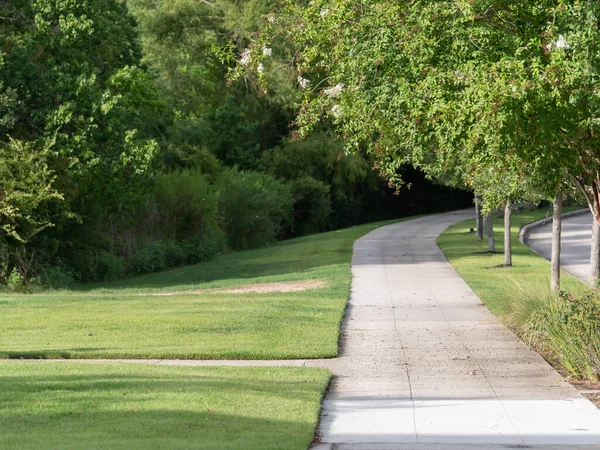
(576, 244)
(425, 365)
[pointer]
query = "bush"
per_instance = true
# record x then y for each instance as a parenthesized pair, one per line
(206, 248)
(15, 281)
(162, 255)
(186, 205)
(152, 258)
(574, 333)
(312, 205)
(109, 266)
(253, 207)
(566, 327)
(97, 265)
(57, 276)
(348, 176)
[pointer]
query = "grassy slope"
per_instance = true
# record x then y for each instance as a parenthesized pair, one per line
(46, 405)
(492, 285)
(117, 319)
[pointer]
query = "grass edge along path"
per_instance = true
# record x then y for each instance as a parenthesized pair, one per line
(127, 320)
(520, 295)
(61, 405)
(123, 405)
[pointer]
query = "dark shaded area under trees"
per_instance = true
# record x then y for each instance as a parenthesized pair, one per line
(135, 154)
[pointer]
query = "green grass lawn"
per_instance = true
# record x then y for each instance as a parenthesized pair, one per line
(62, 405)
(123, 320)
(478, 269)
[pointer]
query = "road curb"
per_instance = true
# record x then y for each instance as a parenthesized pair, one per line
(526, 229)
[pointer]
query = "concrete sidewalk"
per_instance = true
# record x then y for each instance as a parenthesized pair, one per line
(576, 244)
(425, 365)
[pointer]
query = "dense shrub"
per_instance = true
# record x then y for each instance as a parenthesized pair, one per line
(15, 281)
(573, 333)
(348, 177)
(312, 205)
(186, 205)
(253, 207)
(565, 327)
(91, 265)
(162, 255)
(206, 248)
(153, 257)
(57, 276)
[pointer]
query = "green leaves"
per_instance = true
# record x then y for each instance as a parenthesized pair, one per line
(26, 189)
(503, 95)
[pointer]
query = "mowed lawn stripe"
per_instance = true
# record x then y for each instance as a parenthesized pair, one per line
(61, 405)
(126, 319)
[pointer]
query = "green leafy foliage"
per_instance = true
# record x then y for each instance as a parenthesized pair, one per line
(253, 208)
(192, 45)
(312, 205)
(322, 157)
(26, 189)
(462, 88)
(186, 205)
(158, 256)
(137, 154)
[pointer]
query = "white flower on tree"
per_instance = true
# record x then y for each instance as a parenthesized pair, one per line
(336, 111)
(267, 51)
(246, 58)
(334, 91)
(260, 68)
(324, 12)
(303, 82)
(560, 44)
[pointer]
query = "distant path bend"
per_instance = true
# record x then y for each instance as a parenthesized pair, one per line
(425, 365)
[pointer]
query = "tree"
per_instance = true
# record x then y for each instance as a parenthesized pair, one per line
(26, 195)
(469, 87)
(190, 44)
(74, 68)
(83, 112)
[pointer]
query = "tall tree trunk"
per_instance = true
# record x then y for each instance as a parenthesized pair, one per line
(507, 235)
(490, 233)
(478, 218)
(595, 255)
(556, 231)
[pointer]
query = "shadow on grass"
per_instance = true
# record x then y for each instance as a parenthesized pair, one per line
(95, 411)
(157, 429)
(67, 353)
(137, 380)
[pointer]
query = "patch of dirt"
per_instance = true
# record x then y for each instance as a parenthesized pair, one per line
(257, 288)
(286, 286)
(589, 389)
(594, 398)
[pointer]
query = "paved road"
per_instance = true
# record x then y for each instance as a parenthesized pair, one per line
(425, 365)
(576, 241)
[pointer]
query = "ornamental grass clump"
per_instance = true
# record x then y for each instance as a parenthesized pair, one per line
(564, 327)
(574, 333)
